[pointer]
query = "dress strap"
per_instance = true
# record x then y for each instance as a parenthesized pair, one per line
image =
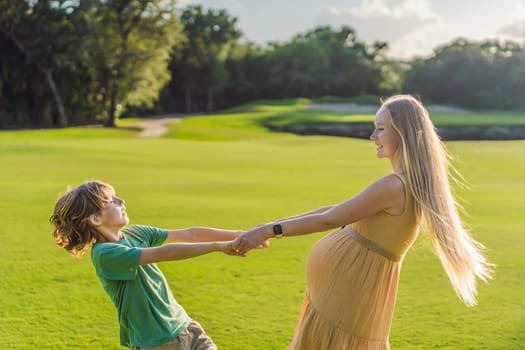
(372, 245)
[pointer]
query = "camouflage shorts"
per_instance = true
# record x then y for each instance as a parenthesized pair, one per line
(192, 338)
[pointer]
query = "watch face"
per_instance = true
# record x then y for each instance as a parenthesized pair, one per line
(277, 229)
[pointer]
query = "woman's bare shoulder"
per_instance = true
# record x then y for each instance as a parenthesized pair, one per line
(390, 182)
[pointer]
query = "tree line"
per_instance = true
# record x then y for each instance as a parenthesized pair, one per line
(67, 62)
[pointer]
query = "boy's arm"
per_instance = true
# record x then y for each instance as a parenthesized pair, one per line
(180, 251)
(201, 234)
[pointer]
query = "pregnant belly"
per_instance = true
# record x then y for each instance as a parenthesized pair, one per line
(348, 283)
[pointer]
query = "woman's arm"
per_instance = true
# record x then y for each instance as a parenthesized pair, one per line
(315, 211)
(180, 251)
(386, 193)
(201, 234)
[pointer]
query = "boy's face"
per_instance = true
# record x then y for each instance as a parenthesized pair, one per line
(114, 215)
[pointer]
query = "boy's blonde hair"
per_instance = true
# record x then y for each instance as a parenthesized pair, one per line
(70, 219)
(426, 165)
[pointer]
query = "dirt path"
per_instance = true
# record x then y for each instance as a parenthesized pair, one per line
(155, 127)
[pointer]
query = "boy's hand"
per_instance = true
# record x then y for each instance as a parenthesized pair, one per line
(227, 248)
(264, 245)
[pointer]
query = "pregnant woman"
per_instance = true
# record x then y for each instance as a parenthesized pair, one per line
(353, 273)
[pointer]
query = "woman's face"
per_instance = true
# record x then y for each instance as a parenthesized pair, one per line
(384, 135)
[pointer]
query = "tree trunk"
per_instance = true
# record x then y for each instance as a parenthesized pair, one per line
(210, 100)
(112, 107)
(187, 99)
(62, 119)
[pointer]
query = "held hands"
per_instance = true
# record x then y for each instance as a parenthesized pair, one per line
(227, 248)
(253, 239)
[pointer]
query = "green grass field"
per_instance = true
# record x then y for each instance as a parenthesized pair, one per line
(228, 171)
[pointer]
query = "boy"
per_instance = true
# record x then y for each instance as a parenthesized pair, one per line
(124, 257)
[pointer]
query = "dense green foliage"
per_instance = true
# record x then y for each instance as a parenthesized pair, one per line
(66, 62)
(231, 173)
(478, 75)
(197, 65)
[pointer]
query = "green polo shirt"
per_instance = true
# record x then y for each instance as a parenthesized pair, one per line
(148, 313)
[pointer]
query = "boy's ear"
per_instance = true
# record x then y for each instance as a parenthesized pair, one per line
(94, 220)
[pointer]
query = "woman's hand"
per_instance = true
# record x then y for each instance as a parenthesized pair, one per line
(255, 238)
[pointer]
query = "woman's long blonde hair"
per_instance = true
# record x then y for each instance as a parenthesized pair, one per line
(426, 165)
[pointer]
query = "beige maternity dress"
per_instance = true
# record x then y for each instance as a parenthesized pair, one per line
(352, 277)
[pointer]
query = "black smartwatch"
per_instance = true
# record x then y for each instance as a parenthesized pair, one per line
(277, 229)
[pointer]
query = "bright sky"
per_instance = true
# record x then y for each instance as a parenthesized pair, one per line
(411, 27)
